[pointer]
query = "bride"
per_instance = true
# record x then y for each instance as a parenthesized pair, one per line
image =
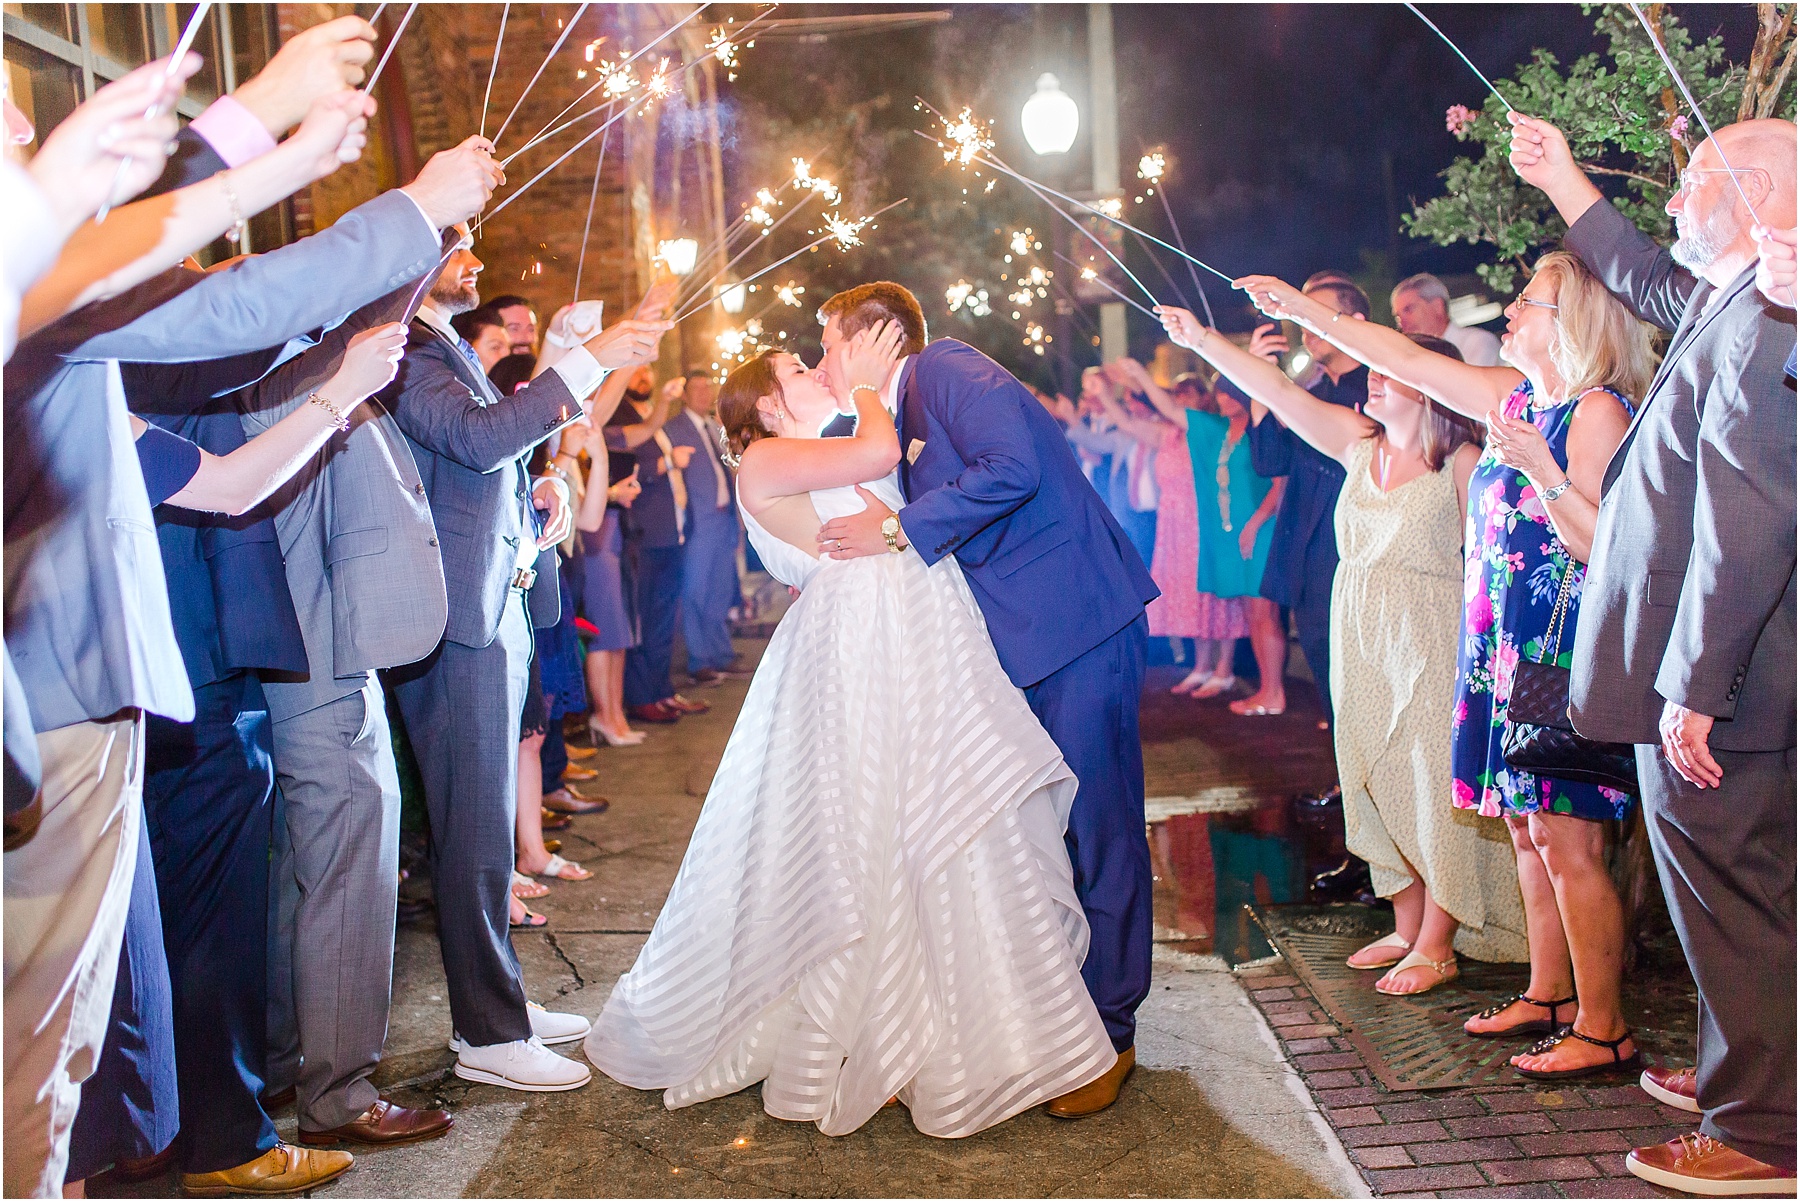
(876, 902)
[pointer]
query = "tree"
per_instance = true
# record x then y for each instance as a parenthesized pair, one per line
(1626, 123)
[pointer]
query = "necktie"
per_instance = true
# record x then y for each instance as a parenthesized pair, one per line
(468, 352)
(677, 484)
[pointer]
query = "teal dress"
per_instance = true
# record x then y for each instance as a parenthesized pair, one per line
(1227, 491)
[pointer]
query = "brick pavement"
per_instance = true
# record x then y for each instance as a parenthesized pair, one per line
(1495, 1141)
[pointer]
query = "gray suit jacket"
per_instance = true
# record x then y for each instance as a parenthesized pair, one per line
(470, 446)
(1690, 592)
(356, 532)
(87, 621)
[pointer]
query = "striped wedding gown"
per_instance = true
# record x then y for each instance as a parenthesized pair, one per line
(876, 900)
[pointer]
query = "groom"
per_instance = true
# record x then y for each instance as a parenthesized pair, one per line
(989, 477)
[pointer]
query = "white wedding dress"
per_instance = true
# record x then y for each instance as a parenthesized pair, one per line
(876, 900)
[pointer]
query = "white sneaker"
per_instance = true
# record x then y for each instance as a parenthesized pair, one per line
(522, 1064)
(550, 1027)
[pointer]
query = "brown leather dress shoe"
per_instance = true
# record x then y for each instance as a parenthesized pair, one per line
(659, 712)
(144, 1168)
(283, 1169)
(577, 772)
(678, 702)
(1098, 1094)
(384, 1125)
(565, 802)
(553, 821)
(1700, 1164)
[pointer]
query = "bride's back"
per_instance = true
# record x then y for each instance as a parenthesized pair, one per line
(785, 534)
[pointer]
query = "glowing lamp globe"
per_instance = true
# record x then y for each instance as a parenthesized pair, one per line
(1050, 118)
(678, 254)
(732, 297)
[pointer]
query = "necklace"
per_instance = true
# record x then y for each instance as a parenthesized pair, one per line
(1222, 476)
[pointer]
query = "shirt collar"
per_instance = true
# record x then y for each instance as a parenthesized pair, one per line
(429, 314)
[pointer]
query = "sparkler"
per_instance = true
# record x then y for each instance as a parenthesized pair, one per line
(1088, 273)
(567, 30)
(1459, 54)
(492, 67)
(856, 228)
(388, 53)
(1151, 168)
(1688, 96)
(581, 260)
(181, 49)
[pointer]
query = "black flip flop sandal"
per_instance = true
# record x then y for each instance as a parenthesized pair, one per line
(1535, 1026)
(1619, 1063)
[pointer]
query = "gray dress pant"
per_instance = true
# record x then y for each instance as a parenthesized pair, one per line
(334, 888)
(462, 707)
(1726, 859)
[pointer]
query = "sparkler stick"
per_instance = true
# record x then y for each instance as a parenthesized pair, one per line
(601, 82)
(594, 195)
(526, 186)
(379, 9)
(567, 30)
(181, 49)
(1688, 96)
(1151, 167)
(726, 270)
(779, 262)
(1088, 273)
(493, 67)
(386, 54)
(1459, 54)
(1092, 237)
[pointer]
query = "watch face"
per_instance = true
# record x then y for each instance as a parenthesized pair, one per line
(890, 525)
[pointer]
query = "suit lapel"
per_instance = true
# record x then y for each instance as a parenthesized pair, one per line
(1704, 307)
(912, 424)
(465, 370)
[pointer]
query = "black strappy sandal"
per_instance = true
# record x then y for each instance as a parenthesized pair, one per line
(1619, 1063)
(1535, 1026)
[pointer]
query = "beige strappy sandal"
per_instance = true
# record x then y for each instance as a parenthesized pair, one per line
(1391, 941)
(1446, 971)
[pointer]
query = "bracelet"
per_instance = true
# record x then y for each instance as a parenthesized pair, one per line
(239, 227)
(338, 419)
(1550, 494)
(866, 388)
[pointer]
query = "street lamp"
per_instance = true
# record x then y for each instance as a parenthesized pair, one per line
(678, 254)
(732, 297)
(1050, 118)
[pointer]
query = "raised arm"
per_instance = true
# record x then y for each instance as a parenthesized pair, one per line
(237, 482)
(1461, 387)
(1331, 429)
(1171, 409)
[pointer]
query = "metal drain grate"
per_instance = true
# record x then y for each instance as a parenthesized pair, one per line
(1406, 1044)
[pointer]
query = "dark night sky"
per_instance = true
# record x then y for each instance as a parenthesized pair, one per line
(1277, 116)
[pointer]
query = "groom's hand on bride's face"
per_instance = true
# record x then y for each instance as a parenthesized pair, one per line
(857, 534)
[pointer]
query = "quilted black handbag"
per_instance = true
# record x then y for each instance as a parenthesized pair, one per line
(1540, 739)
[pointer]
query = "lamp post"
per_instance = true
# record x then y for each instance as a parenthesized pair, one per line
(678, 254)
(1050, 120)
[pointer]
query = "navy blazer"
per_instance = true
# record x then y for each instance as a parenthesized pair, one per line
(1303, 551)
(990, 477)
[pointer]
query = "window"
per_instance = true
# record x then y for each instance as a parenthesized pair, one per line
(57, 55)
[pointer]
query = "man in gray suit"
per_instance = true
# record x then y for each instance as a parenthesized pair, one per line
(1685, 643)
(363, 569)
(88, 626)
(463, 702)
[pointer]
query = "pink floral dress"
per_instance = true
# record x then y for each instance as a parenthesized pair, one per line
(1184, 612)
(1513, 567)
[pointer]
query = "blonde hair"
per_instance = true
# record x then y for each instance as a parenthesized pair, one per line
(1597, 342)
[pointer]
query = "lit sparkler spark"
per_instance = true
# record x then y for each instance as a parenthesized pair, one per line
(1021, 241)
(767, 199)
(1022, 298)
(1112, 207)
(1088, 273)
(964, 295)
(969, 139)
(657, 86)
(725, 51)
(790, 294)
(619, 81)
(845, 232)
(758, 215)
(1035, 338)
(802, 173)
(1151, 166)
(731, 341)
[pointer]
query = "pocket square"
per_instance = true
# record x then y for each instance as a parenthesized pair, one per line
(915, 450)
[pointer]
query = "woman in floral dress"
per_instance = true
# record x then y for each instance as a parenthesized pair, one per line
(1183, 611)
(1553, 422)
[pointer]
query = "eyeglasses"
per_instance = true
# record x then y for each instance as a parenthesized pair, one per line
(1686, 182)
(1526, 300)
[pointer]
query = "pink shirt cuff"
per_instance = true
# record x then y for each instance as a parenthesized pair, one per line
(233, 131)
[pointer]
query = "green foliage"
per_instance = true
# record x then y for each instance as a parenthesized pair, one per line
(1619, 113)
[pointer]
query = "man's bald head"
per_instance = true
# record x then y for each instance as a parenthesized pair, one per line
(1763, 153)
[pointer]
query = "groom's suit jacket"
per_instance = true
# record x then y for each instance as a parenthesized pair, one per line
(989, 477)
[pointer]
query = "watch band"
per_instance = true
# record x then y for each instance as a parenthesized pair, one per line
(1550, 494)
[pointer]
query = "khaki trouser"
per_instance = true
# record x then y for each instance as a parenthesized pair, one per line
(66, 895)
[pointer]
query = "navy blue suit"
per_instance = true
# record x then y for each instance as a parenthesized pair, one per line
(653, 530)
(990, 478)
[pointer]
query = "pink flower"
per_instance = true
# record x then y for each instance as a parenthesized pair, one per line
(1480, 613)
(1457, 118)
(1465, 796)
(1532, 506)
(1506, 666)
(1490, 806)
(1678, 128)
(1457, 719)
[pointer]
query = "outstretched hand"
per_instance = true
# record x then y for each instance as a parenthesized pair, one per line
(315, 62)
(1273, 296)
(457, 183)
(858, 534)
(1183, 328)
(1540, 153)
(334, 132)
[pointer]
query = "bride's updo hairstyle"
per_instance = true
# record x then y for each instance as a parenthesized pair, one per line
(739, 397)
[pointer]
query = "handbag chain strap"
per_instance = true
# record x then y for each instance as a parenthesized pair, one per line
(1551, 647)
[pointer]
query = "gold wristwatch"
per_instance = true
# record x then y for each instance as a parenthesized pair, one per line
(890, 530)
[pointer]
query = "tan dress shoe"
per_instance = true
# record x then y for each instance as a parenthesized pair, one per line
(283, 1169)
(1700, 1164)
(384, 1125)
(1098, 1094)
(577, 772)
